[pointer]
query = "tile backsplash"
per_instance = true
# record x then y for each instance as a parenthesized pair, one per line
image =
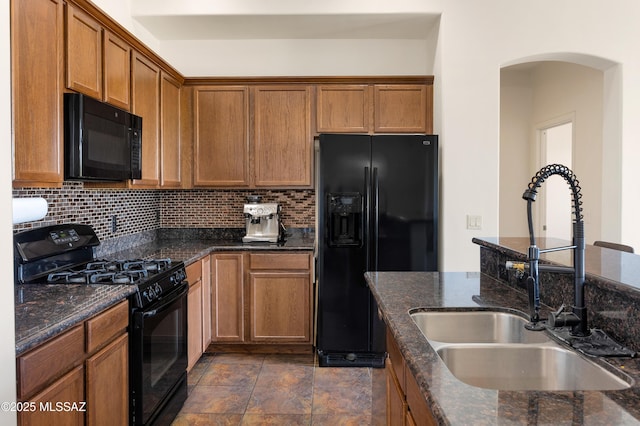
(138, 211)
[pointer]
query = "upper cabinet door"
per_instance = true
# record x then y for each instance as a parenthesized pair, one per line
(343, 108)
(402, 108)
(37, 77)
(84, 53)
(221, 136)
(146, 104)
(282, 136)
(170, 155)
(117, 71)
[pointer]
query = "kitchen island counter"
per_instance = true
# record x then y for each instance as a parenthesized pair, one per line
(454, 402)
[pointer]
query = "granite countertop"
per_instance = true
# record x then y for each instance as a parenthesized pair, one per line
(187, 247)
(613, 265)
(44, 311)
(454, 402)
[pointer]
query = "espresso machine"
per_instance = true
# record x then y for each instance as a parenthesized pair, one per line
(262, 221)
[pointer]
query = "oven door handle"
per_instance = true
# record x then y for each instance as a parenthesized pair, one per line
(166, 303)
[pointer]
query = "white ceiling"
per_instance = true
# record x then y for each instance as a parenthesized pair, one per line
(237, 27)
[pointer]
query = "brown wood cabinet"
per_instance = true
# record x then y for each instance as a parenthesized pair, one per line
(252, 136)
(107, 384)
(262, 301)
(37, 55)
(374, 108)
(194, 314)
(117, 71)
(206, 301)
(146, 103)
(221, 136)
(98, 61)
(227, 297)
(280, 297)
(68, 388)
(402, 108)
(199, 309)
(343, 108)
(88, 363)
(405, 402)
(283, 149)
(170, 143)
(83, 52)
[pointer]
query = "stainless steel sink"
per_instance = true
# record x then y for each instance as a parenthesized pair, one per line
(526, 367)
(475, 327)
(493, 350)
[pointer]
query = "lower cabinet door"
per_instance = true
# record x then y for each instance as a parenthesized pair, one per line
(280, 307)
(194, 324)
(55, 404)
(108, 384)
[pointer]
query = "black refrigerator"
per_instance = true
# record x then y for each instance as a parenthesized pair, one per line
(377, 211)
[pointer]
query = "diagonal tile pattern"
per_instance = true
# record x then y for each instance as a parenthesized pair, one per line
(243, 389)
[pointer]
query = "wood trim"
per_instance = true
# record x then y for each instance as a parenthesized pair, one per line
(408, 79)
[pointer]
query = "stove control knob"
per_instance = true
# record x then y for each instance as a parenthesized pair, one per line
(152, 294)
(147, 296)
(158, 289)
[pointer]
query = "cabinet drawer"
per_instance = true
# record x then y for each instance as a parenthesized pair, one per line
(279, 261)
(49, 361)
(104, 327)
(194, 272)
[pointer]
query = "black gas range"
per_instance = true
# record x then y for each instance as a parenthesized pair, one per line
(64, 255)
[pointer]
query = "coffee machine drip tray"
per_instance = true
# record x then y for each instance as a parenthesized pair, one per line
(260, 239)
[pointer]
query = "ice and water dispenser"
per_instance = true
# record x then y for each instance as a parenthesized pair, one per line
(345, 219)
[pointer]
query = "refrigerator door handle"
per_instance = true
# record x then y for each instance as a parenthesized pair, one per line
(376, 217)
(366, 218)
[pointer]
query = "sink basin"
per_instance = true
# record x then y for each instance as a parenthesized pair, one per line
(475, 327)
(527, 367)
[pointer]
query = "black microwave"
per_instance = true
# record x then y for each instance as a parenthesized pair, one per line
(101, 142)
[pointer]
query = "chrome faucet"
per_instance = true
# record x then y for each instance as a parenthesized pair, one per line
(577, 317)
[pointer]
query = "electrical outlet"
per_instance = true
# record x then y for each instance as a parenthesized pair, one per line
(474, 222)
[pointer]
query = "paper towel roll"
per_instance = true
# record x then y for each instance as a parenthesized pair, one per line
(29, 209)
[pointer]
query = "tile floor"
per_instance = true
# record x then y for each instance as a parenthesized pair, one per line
(241, 389)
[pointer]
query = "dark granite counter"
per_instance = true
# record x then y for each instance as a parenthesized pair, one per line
(611, 265)
(189, 245)
(454, 402)
(44, 311)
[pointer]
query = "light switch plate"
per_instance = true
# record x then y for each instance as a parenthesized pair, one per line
(474, 222)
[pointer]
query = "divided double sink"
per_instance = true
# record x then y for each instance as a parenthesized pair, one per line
(492, 349)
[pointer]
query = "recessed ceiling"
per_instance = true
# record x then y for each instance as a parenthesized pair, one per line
(232, 27)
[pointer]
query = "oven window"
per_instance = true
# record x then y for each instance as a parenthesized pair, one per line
(164, 354)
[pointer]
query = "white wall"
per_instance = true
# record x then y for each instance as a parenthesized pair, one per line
(7, 317)
(516, 101)
(542, 95)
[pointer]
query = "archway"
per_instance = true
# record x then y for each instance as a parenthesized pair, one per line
(540, 90)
